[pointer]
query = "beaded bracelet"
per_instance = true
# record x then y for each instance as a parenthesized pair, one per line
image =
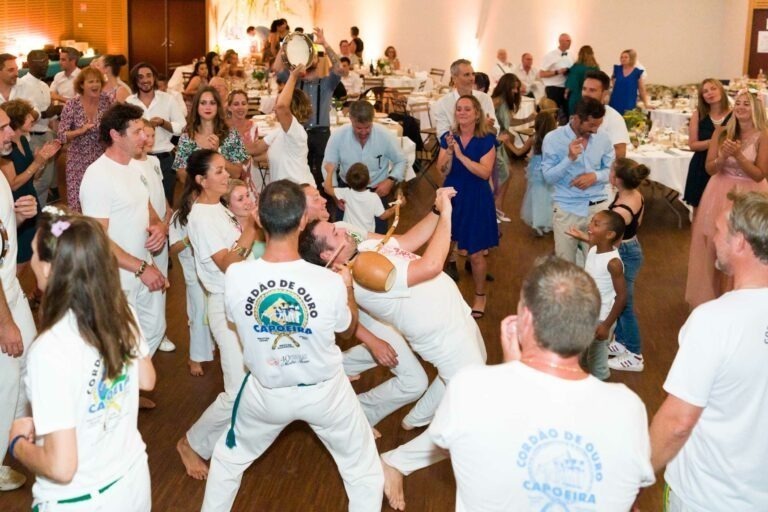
(13, 444)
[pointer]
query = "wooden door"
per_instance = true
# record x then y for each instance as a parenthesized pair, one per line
(146, 33)
(758, 61)
(186, 31)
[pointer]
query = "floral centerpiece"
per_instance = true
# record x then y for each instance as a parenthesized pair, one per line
(385, 68)
(260, 76)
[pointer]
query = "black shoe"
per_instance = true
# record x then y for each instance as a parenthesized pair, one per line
(452, 271)
(468, 267)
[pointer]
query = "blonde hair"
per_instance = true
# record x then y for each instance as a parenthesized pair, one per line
(481, 128)
(587, 57)
(733, 128)
(632, 56)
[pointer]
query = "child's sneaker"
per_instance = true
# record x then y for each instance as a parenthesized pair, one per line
(616, 349)
(627, 362)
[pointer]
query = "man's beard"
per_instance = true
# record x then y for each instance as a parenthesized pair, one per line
(6, 149)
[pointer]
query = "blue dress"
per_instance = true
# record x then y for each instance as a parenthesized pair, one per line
(473, 223)
(25, 231)
(537, 202)
(624, 94)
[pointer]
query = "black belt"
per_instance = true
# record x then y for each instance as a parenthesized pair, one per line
(162, 155)
(38, 133)
(318, 129)
(595, 203)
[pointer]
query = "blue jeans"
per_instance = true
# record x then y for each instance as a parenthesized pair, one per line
(627, 330)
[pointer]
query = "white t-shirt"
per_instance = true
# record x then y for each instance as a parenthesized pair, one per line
(521, 439)
(211, 228)
(286, 315)
(65, 384)
(360, 207)
(721, 366)
(38, 93)
(597, 267)
(614, 126)
(431, 315)
(8, 264)
(116, 192)
(153, 180)
(444, 110)
(64, 85)
(552, 61)
(287, 154)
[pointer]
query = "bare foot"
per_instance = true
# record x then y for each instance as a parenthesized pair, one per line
(393, 486)
(353, 378)
(376, 433)
(195, 368)
(194, 464)
(406, 426)
(146, 403)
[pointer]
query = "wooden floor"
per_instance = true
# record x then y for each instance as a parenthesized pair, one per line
(297, 474)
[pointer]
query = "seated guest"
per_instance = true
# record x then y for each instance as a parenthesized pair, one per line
(345, 50)
(230, 65)
(390, 55)
(501, 67)
(212, 61)
(63, 85)
(351, 80)
(198, 79)
(371, 144)
(574, 440)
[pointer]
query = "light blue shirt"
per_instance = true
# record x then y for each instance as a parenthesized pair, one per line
(381, 151)
(560, 171)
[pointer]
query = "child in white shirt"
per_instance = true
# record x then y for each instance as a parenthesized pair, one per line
(361, 206)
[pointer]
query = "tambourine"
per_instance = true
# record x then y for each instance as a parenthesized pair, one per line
(298, 49)
(371, 269)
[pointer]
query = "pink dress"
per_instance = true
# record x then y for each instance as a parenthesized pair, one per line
(83, 150)
(703, 282)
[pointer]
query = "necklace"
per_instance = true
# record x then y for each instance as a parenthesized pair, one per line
(552, 365)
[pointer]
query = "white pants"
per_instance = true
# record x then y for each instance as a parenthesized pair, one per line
(13, 397)
(449, 363)
(331, 410)
(409, 381)
(567, 247)
(200, 341)
(47, 177)
(202, 436)
(421, 452)
(132, 493)
(150, 310)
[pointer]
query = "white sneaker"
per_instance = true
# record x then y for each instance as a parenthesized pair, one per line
(10, 479)
(627, 362)
(166, 345)
(616, 349)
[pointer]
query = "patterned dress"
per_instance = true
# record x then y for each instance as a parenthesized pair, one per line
(231, 149)
(84, 149)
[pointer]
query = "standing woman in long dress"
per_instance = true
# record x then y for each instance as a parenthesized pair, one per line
(712, 111)
(468, 155)
(737, 159)
(79, 127)
(84, 373)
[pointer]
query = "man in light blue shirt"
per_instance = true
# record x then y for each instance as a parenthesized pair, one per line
(576, 161)
(371, 144)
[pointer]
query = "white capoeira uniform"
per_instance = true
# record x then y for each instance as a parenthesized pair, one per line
(409, 381)
(118, 193)
(13, 401)
(154, 316)
(437, 323)
(200, 341)
(287, 314)
(212, 228)
(68, 390)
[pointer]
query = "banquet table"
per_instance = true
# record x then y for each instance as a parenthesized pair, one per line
(266, 101)
(673, 118)
(669, 167)
(423, 84)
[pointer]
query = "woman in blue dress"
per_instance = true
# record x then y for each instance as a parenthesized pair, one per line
(627, 83)
(467, 155)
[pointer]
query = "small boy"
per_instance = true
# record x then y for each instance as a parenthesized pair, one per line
(361, 206)
(604, 265)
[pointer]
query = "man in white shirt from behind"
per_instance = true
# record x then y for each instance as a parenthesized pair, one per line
(501, 67)
(710, 430)
(597, 85)
(63, 85)
(444, 109)
(17, 327)
(568, 441)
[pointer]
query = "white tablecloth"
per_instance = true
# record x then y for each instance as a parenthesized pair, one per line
(407, 145)
(668, 167)
(670, 118)
(266, 102)
(418, 84)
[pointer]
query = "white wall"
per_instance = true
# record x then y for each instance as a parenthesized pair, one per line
(679, 41)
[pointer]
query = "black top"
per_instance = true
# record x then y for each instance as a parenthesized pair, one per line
(698, 177)
(631, 230)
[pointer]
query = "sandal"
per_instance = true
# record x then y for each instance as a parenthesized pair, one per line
(476, 313)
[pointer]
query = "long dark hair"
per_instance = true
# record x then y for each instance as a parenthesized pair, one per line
(212, 70)
(198, 164)
(544, 123)
(220, 127)
(505, 90)
(84, 279)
